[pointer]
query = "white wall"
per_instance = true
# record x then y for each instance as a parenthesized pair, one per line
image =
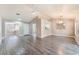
(45, 32)
(77, 30)
(0, 29)
(69, 28)
(68, 31)
(42, 32)
(38, 27)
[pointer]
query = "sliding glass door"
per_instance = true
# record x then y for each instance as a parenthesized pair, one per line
(20, 27)
(10, 27)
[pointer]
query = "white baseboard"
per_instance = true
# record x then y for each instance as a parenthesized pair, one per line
(46, 36)
(58, 35)
(63, 35)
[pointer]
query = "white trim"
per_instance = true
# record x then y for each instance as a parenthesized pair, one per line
(58, 35)
(64, 35)
(46, 36)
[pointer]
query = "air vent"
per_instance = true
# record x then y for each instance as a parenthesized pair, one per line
(17, 13)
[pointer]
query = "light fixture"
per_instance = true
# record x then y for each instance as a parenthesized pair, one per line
(33, 13)
(60, 20)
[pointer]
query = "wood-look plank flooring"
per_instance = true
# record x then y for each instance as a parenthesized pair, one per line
(51, 45)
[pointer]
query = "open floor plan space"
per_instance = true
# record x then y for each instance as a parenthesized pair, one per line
(39, 29)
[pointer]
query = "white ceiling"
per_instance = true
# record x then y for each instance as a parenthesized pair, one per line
(9, 11)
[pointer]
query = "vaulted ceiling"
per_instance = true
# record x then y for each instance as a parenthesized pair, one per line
(29, 11)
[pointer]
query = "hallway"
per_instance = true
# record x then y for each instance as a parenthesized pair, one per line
(51, 45)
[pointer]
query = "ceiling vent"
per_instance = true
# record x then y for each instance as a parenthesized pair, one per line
(17, 13)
